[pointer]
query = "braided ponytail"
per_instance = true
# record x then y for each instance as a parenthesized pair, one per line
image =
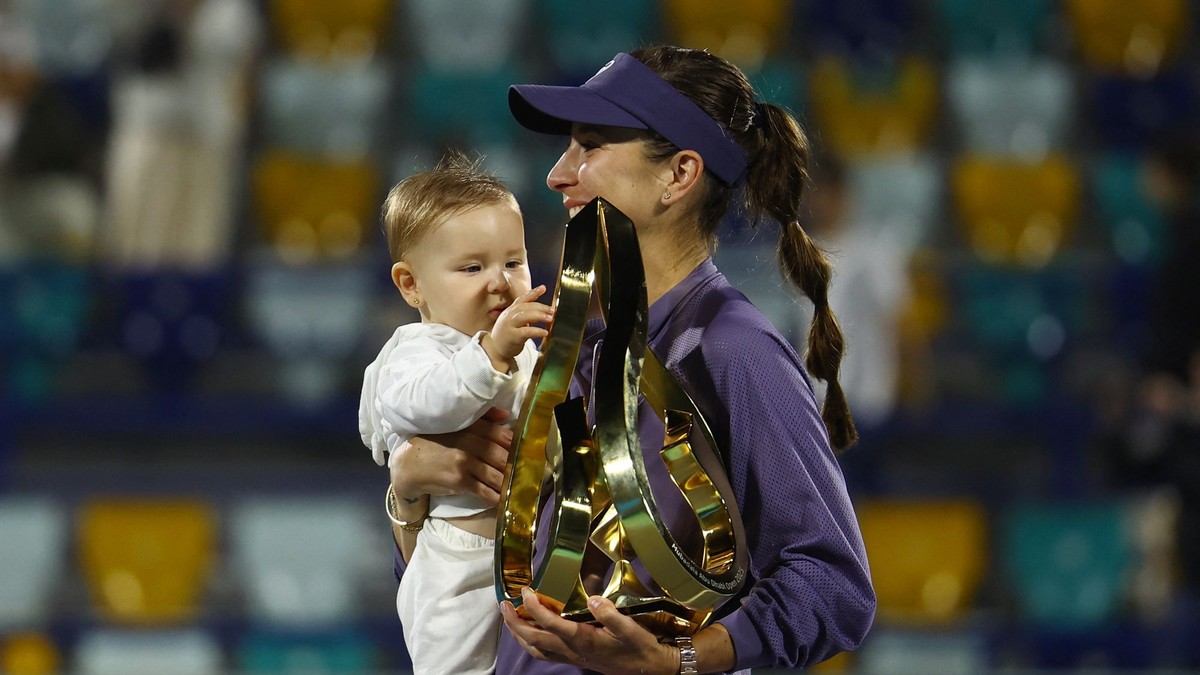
(777, 155)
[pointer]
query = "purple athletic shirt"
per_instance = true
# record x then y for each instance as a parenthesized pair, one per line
(808, 594)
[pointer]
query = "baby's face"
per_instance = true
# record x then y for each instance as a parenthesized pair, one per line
(470, 268)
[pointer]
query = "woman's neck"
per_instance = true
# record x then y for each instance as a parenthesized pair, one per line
(668, 260)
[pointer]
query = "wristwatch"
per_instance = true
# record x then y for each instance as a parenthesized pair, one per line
(687, 655)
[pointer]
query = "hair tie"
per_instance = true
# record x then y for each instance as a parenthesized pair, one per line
(760, 115)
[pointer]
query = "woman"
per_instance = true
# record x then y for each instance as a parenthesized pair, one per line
(671, 137)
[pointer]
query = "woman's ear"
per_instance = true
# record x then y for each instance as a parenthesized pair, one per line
(406, 282)
(686, 169)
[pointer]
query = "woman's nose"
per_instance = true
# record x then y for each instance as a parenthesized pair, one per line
(565, 171)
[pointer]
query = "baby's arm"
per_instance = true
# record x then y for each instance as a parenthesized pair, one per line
(515, 326)
(423, 389)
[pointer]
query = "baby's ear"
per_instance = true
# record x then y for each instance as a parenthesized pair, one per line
(406, 282)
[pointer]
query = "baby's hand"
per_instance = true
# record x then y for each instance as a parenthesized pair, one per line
(516, 324)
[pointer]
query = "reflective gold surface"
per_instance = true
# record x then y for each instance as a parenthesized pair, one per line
(602, 510)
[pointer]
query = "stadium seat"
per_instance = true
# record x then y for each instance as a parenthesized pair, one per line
(897, 192)
(1135, 227)
(48, 305)
(29, 653)
(1017, 108)
(864, 29)
(782, 81)
(109, 651)
(301, 558)
(1129, 114)
(1133, 38)
(887, 651)
(310, 317)
(351, 29)
(994, 28)
(583, 35)
(878, 109)
(1068, 565)
(280, 652)
(464, 35)
(323, 108)
(147, 561)
(32, 569)
(68, 37)
(172, 323)
(308, 208)
(745, 33)
(462, 108)
(927, 557)
(1016, 212)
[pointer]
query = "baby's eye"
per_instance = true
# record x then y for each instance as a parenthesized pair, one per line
(471, 269)
(514, 264)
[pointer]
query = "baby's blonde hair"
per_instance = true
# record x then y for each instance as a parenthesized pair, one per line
(420, 203)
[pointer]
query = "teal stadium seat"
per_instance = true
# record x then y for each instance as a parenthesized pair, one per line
(49, 303)
(1136, 228)
(1068, 565)
(995, 27)
(902, 193)
(462, 107)
(583, 35)
(276, 652)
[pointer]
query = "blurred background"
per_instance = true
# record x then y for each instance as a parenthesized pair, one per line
(192, 278)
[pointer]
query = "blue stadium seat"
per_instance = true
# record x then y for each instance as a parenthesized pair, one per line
(862, 28)
(1011, 107)
(1129, 113)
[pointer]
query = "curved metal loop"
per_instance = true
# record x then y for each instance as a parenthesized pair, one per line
(603, 498)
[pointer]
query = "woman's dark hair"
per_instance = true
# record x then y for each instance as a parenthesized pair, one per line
(777, 155)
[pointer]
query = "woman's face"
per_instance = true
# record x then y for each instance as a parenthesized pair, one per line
(609, 162)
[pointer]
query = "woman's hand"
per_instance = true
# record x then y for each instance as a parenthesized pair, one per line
(618, 645)
(470, 461)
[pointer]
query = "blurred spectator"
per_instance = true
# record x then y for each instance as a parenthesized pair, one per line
(869, 291)
(179, 131)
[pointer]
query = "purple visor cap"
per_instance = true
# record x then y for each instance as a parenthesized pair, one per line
(625, 93)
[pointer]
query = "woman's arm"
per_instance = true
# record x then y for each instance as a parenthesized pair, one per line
(470, 461)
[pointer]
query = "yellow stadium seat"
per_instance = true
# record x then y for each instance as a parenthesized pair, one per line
(347, 28)
(310, 208)
(147, 561)
(927, 557)
(744, 32)
(1135, 38)
(29, 654)
(1013, 211)
(876, 112)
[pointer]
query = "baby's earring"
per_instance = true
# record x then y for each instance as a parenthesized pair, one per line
(416, 302)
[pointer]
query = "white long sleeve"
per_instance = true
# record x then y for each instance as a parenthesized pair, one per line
(431, 379)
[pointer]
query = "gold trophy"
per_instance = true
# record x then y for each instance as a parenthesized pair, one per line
(605, 532)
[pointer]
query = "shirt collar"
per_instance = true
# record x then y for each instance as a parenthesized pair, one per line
(664, 307)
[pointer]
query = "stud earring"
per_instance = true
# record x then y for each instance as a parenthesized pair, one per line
(666, 195)
(416, 302)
